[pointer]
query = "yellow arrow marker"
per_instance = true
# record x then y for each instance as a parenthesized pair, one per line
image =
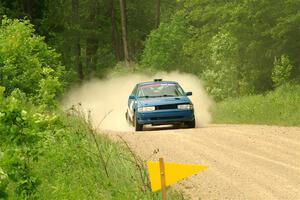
(173, 173)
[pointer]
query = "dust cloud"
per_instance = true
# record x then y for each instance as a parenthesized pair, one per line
(107, 99)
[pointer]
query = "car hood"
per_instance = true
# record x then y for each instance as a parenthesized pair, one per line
(163, 101)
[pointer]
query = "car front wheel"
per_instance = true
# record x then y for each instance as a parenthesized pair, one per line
(127, 117)
(191, 124)
(138, 127)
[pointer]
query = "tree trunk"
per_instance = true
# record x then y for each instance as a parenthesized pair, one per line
(114, 32)
(92, 39)
(91, 50)
(28, 7)
(77, 48)
(157, 13)
(124, 31)
(78, 59)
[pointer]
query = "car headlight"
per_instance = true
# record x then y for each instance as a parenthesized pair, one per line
(185, 106)
(146, 109)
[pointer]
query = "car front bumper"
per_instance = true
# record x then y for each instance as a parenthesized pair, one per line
(160, 117)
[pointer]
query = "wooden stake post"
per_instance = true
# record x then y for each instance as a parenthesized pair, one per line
(163, 179)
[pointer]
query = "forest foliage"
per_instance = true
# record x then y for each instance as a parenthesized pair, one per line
(27, 62)
(236, 47)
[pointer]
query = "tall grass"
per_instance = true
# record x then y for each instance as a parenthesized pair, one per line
(79, 167)
(79, 163)
(279, 107)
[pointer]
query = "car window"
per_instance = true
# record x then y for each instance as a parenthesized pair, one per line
(160, 90)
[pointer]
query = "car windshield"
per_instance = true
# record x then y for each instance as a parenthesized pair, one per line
(160, 90)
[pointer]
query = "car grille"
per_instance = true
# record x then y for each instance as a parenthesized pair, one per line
(166, 107)
(167, 117)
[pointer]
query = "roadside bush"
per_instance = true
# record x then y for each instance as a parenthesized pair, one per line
(27, 63)
(22, 131)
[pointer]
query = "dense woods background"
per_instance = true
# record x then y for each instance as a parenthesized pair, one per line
(237, 47)
(88, 33)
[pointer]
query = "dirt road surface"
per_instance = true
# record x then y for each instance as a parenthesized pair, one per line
(245, 161)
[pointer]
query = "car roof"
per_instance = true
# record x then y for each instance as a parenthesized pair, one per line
(156, 82)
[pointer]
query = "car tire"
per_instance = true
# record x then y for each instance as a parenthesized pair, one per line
(127, 117)
(137, 126)
(191, 124)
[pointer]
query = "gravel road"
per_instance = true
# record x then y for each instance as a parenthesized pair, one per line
(245, 161)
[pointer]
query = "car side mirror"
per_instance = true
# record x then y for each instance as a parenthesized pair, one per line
(132, 97)
(188, 93)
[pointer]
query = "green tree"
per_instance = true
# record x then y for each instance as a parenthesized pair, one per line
(222, 78)
(164, 46)
(27, 62)
(281, 72)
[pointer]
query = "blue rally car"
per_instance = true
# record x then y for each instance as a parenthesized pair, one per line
(159, 102)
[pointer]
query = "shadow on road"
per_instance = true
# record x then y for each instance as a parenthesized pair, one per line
(161, 127)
